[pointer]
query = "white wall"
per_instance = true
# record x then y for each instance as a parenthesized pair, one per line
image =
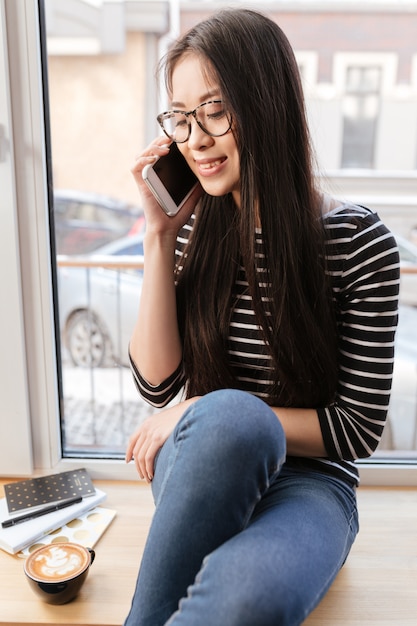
(396, 146)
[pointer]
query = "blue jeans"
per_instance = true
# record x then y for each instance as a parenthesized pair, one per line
(238, 538)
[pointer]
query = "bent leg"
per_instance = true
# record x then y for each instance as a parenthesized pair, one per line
(277, 570)
(221, 458)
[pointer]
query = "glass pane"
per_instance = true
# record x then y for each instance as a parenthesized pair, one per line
(97, 126)
(360, 116)
(363, 79)
(100, 104)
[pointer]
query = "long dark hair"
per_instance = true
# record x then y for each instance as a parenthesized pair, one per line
(258, 76)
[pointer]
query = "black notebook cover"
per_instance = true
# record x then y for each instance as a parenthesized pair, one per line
(34, 493)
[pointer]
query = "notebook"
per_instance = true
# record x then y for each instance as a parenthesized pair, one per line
(20, 536)
(34, 493)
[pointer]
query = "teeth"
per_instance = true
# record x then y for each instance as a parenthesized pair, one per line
(207, 166)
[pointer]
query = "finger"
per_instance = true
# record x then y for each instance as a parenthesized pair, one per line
(129, 452)
(129, 448)
(154, 149)
(136, 458)
(149, 465)
(141, 161)
(134, 444)
(141, 453)
(144, 456)
(139, 468)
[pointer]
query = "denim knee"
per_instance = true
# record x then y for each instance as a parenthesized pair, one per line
(234, 422)
(228, 442)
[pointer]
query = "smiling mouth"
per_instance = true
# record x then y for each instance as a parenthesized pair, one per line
(208, 166)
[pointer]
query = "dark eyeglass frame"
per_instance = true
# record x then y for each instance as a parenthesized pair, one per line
(160, 118)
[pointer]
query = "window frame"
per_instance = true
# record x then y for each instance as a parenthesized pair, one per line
(36, 443)
(387, 61)
(353, 132)
(32, 443)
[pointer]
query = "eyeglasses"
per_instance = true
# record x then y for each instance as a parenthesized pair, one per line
(211, 117)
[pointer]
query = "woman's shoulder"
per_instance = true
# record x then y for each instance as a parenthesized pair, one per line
(356, 238)
(336, 212)
(347, 222)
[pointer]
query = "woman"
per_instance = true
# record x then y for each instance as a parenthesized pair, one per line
(275, 308)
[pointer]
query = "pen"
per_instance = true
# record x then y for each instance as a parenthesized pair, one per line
(50, 509)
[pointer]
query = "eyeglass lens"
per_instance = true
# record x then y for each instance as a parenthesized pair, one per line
(211, 117)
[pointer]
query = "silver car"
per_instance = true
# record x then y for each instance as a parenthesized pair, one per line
(98, 306)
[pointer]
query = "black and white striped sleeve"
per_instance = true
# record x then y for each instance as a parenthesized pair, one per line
(363, 262)
(158, 396)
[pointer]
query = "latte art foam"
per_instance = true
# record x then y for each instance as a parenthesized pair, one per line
(57, 562)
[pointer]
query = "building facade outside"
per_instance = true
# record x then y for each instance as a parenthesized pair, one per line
(358, 61)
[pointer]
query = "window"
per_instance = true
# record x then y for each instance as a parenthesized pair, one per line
(360, 116)
(15, 439)
(31, 379)
(364, 84)
(96, 214)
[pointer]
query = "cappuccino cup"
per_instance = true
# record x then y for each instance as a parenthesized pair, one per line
(57, 572)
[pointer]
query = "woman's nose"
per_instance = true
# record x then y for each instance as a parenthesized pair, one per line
(198, 139)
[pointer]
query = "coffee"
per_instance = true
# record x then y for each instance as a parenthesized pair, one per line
(57, 562)
(57, 572)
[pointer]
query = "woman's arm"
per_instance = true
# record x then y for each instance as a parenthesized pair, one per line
(367, 288)
(155, 346)
(364, 264)
(302, 431)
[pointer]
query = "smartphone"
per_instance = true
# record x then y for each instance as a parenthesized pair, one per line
(171, 180)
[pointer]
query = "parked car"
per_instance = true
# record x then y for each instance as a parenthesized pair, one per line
(86, 221)
(98, 307)
(408, 259)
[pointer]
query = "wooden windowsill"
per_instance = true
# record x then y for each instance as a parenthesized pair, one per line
(106, 595)
(377, 585)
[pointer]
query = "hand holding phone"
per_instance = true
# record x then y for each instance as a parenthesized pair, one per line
(171, 180)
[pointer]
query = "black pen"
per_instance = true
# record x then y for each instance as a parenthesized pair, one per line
(50, 509)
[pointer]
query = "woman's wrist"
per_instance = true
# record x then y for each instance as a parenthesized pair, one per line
(164, 241)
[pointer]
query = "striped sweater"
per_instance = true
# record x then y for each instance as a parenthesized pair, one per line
(363, 261)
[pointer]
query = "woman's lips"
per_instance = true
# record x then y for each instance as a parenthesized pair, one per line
(209, 167)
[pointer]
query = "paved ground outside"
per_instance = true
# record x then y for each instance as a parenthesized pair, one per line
(102, 408)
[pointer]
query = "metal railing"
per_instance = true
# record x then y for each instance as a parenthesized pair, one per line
(101, 260)
(101, 406)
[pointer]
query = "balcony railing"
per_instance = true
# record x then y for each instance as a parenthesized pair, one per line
(98, 298)
(101, 406)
